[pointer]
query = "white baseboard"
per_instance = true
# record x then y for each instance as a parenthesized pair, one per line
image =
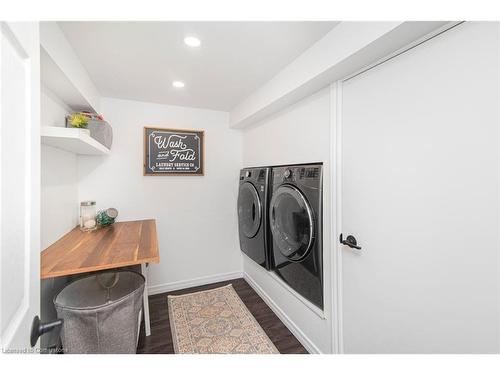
(296, 331)
(183, 284)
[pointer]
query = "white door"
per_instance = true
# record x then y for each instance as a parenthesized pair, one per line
(420, 193)
(20, 182)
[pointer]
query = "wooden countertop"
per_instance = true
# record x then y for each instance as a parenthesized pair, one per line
(121, 244)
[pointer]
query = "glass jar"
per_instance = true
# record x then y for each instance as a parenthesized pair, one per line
(88, 216)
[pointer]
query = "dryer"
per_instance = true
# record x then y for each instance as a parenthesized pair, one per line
(295, 217)
(253, 214)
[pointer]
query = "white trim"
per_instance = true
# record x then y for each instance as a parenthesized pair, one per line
(183, 284)
(336, 207)
(296, 331)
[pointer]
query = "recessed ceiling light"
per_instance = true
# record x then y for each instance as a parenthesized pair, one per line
(178, 84)
(192, 41)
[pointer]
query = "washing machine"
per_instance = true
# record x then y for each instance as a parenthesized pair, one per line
(253, 200)
(295, 218)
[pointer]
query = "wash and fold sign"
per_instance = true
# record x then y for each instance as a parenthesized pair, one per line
(173, 152)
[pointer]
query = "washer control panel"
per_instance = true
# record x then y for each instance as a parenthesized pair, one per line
(259, 175)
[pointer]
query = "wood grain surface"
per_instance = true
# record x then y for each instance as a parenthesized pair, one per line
(121, 244)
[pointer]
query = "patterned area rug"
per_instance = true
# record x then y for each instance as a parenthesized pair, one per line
(216, 321)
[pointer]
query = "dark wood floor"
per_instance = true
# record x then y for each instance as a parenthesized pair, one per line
(160, 340)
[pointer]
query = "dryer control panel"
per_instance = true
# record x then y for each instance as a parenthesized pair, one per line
(294, 174)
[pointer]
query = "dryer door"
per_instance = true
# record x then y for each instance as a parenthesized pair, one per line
(292, 223)
(249, 210)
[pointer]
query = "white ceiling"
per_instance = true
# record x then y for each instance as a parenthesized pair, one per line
(139, 60)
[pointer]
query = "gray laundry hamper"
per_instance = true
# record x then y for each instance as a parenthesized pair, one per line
(101, 313)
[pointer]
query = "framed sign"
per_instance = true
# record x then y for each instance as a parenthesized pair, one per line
(173, 152)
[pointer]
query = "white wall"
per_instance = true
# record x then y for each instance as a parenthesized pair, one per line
(299, 134)
(196, 215)
(59, 200)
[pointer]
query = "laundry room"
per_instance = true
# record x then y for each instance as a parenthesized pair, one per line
(208, 229)
(250, 187)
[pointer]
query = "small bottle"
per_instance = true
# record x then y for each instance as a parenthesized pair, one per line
(87, 216)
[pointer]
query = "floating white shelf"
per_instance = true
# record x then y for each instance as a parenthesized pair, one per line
(74, 140)
(53, 77)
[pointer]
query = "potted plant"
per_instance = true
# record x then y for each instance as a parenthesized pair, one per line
(94, 123)
(78, 120)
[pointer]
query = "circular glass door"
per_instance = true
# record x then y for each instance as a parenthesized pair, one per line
(249, 210)
(292, 223)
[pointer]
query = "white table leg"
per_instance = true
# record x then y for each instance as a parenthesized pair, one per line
(145, 300)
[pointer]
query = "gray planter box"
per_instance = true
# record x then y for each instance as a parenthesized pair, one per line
(101, 131)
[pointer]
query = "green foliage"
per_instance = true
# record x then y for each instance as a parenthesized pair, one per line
(103, 219)
(77, 120)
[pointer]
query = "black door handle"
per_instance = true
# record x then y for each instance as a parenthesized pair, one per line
(350, 241)
(38, 328)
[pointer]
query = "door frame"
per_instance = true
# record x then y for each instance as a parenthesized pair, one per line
(336, 214)
(336, 181)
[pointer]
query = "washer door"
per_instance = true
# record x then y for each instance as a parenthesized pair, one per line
(249, 210)
(292, 223)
